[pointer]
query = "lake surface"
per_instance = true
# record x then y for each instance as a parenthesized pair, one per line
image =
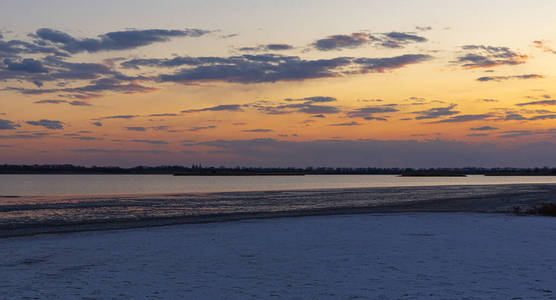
(12, 185)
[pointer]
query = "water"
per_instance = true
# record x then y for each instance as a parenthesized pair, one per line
(11, 185)
(32, 204)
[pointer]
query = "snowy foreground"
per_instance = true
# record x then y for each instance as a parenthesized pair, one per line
(392, 256)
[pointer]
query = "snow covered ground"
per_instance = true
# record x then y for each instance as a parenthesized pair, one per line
(390, 256)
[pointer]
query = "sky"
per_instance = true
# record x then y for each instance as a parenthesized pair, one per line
(278, 83)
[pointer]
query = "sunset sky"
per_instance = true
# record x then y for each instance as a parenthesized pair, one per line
(278, 83)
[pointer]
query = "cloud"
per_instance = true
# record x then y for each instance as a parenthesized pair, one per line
(540, 111)
(258, 130)
(542, 117)
(50, 101)
(371, 118)
(542, 102)
(346, 124)
(313, 99)
(267, 47)
(464, 118)
(511, 116)
(142, 129)
(388, 63)
(177, 61)
(199, 128)
(48, 124)
(368, 112)
(64, 70)
(26, 65)
(55, 69)
(477, 134)
(54, 46)
(136, 128)
(423, 28)
(7, 125)
(98, 124)
(269, 67)
(503, 78)
(303, 105)
(117, 117)
(437, 112)
(14, 48)
(163, 115)
(227, 36)
(480, 56)
(153, 142)
(259, 68)
(95, 88)
(59, 101)
(113, 85)
(278, 47)
(78, 103)
(228, 107)
(516, 133)
(397, 39)
(32, 135)
(357, 39)
(520, 133)
(87, 138)
(116, 151)
(342, 41)
(116, 40)
(544, 47)
(483, 128)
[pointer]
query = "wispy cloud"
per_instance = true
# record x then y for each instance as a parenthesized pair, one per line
(308, 105)
(48, 124)
(7, 125)
(270, 67)
(437, 112)
(199, 128)
(266, 47)
(116, 40)
(369, 112)
(225, 107)
(59, 101)
(153, 142)
(543, 45)
(464, 118)
(346, 124)
(480, 56)
(483, 128)
(258, 130)
(542, 102)
(392, 39)
(504, 78)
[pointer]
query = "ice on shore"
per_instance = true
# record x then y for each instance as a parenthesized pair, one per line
(396, 256)
(29, 215)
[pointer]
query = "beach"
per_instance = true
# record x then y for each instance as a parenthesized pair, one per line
(369, 256)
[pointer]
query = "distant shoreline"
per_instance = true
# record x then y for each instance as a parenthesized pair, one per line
(239, 174)
(198, 170)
